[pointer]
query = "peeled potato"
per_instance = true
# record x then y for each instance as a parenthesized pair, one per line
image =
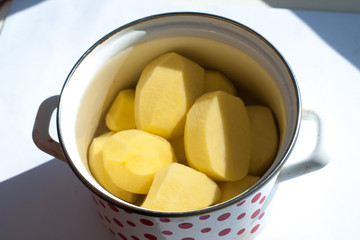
(177, 188)
(264, 139)
(216, 81)
(179, 149)
(132, 157)
(121, 113)
(230, 189)
(167, 88)
(217, 136)
(97, 169)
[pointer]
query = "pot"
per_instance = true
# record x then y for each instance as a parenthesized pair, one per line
(115, 62)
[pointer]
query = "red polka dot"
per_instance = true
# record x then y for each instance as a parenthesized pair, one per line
(115, 209)
(118, 222)
(107, 219)
(146, 222)
(165, 220)
(224, 217)
(255, 228)
(241, 231)
(150, 236)
(224, 232)
(102, 204)
(185, 225)
(95, 200)
(262, 200)
(100, 215)
(188, 238)
(255, 214)
(205, 230)
(122, 236)
(204, 217)
(111, 231)
(135, 237)
(240, 203)
(167, 233)
(127, 211)
(257, 196)
(261, 215)
(241, 216)
(131, 223)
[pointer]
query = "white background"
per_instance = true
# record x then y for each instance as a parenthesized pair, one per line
(40, 197)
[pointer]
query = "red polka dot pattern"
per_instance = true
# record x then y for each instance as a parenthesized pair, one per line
(118, 222)
(115, 209)
(204, 217)
(254, 229)
(236, 221)
(241, 216)
(168, 233)
(185, 225)
(165, 220)
(131, 223)
(224, 232)
(255, 214)
(206, 230)
(150, 236)
(257, 196)
(122, 236)
(224, 217)
(102, 204)
(146, 222)
(240, 203)
(262, 200)
(241, 231)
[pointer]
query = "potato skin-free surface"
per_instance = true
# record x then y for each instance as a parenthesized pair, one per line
(265, 139)
(217, 136)
(178, 188)
(121, 114)
(216, 81)
(230, 189)
(132, 157)
(167, 88)
(99, 173)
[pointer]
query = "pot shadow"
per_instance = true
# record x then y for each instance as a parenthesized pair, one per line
(18, 5)
(48, 202)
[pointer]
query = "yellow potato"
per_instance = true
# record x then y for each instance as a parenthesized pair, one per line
(121, 113)
(216, 81)
(230, 189)
(177, 187)
(167, 88)
(264, 139)
(179, 148)
(132, 157)
(97, 169)
(217, 136)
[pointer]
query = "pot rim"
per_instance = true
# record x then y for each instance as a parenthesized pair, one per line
(265, 179)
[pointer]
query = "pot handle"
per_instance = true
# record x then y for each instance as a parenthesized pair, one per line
(41, 136)
(317, 159)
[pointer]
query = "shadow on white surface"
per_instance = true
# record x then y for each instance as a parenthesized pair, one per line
(17, 5)
(48, 202)
(339, 30)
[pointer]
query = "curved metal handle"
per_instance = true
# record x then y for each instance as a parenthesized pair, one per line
(41, 136)
(316, 160)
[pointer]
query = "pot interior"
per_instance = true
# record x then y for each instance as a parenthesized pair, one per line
(116, 61)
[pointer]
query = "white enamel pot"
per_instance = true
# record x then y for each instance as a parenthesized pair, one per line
(115, 62)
